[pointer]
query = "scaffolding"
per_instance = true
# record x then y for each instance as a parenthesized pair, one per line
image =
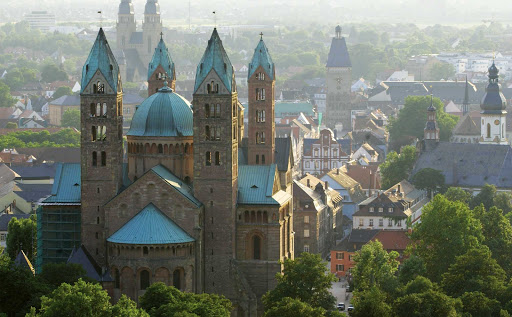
(58, 233)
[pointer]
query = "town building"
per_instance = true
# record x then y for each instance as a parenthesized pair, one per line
(323, 154)
(42, 20)
(367, 176)
(189, 208)
(347, 187)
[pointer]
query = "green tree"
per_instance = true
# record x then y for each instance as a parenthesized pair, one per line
(63, 91)
(161, 300)
(307, 279)
(374, 266)
(447, 229)
(458, 194)
(485, 197)
(411, 268)
(371, 302)
(430, 303)
(430, 179)
(57, 273)
(6, 100)
(289, 307)
(497, 231)
(475, 271)
(477, 304)
(502, 201)
(51, 73)
(71, 118)
(397, 167)
(125, 307)
(11, 125)
(411, 121)
(441, 71)
(22, 235)
(14, 79)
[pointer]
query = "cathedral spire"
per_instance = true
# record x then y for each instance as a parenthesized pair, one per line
(261, 58)
(101, 60)
(161, 68)
(215, 59)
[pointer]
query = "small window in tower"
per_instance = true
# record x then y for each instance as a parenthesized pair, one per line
(160, 149)
(94, 133)
(217, 158)
(111, 68)
(258, 139)
(94, 159)
(100, 87)
(257, 159)
(262, 137)
(98, 109)
(263, 159)
(217, 133)
(207, 133)
(93, 110)
(234, 133)
(216, 111)
(104, 110)
(208, 157)
(103, 158)
(207, 111)
(488, 130)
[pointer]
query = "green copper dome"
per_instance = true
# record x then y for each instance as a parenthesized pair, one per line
(163, 114)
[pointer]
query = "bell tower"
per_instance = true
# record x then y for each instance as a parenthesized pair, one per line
(431, 131)
(493, 122)
(151, 29)
(215, 102)
(261, 83)
(125, 24)
(101, 150)
(161, 69)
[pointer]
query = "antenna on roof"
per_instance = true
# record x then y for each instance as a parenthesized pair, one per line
(101, 19)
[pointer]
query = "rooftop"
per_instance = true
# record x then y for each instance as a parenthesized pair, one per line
(66, 187)
(256, 186)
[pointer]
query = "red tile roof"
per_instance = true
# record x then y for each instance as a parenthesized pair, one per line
(393, 239)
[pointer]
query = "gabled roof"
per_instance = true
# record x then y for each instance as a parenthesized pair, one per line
(215, 58)
(393, 239)
(355, 240)
(338, 54)
(283, 153)
(315, 196)
(466, 126)
(67, 100)
(176, 183)
(101, 59)
(256, 184)
(43, 171)
(6, 218)
(92, 269)
(150, 226)
(22, 261)
(261, 58)
(66, 186)
(32, 192)
(163, 58)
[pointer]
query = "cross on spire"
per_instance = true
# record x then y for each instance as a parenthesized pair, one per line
(101, 18)
(261, 35)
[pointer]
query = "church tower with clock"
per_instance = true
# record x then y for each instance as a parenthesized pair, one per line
(339, 82)
(493, 121)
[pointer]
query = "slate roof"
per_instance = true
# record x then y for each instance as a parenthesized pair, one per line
(255, 186)
(92, 269)
(100, 59)
(62, 155)
(466, 126)
(385, 201)
(355, 240)
(493, 100)
(43, 171)
(32, 192)
(315, 196)
(66, 187)
(150, 226)
(353, 187)
(282, 153)
(176, 183)
(162, 57)
(261, 58)
(338, 54)
(472, 165)
(361, 174)
(163, 114)
(5, 218)
(215, 58)
(67, 100)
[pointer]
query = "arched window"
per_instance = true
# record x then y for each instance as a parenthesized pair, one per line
(208, 158)
(98, 109)
(160, 149)
(207, 110)
(217, 158)
(207, 133)
(257, 159)
(117, 279)
(246, 216)
(93, 110)
(101, 87)
(104, 110)
(94, 133)
(145, 251)
(177, 278)
(94, 159)
(256, 247)
(103, 158)
(262, 137)
(488, 130)
(253, 216)
(144, 279)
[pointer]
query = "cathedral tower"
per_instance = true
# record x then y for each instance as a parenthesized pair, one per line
(101, 104)
(161, 69)
(215, 103)
(151, 28)
(125, 24)
(339, 82)
(493, 105)
(431, 131)
(261, 82)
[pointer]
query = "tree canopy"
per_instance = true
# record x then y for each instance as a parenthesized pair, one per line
(22, 235)
(51, 73)
(63, 138)
(429, 179)
(411, 120)
(397, 167)
(71, 118)
(6, 100)
(63, 91)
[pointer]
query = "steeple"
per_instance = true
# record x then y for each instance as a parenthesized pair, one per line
(161, 68)
(493, 112)
(101, 61)
(215, 59)
(125, 23)
(261, 84)
(465, 103)
(261, 58)
(152, 7)
(151, 29)
(431, 131)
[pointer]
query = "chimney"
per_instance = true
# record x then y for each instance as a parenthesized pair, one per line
(337, 171)
(326, 185)
(398, 189)
(308, 183)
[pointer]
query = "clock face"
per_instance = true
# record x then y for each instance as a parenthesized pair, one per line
(497, 122)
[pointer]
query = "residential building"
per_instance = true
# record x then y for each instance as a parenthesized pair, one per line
(367, 176)
(366, 154)
(323, 154)
(348, 188)
(42, 20)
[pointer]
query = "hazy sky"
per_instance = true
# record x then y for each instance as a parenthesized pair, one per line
(175, 12)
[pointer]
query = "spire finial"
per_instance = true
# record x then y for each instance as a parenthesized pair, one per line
(161, 35)
(215, 19)
(101, 19)
(261, 36)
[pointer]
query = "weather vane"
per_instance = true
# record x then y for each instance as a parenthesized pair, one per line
(161, 35)
(261, 34)
(101, 18)
(215, 19)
